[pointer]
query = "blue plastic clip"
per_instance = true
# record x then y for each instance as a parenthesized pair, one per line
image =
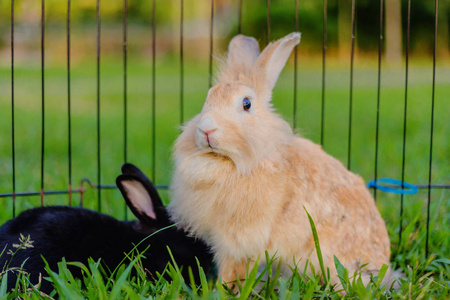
(408, 188)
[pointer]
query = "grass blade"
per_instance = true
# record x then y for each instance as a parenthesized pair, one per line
(316, 243)
(115, 293)
(273, 279)
(98, 280)
(203, 280)
(62, 286)
(249, 282)
(3, 284)
(381, 274)
(192, 281)
(342, 274)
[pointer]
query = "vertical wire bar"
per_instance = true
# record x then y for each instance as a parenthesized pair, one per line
(268, 22)
(240, 17)
(350, 109)
(13, 140)
(125, 92)
(69, 125)
(42, 98)
(153, 93)
(211, 36)
(404, 117)
(324, 52)
(99, 194)
(377, 129)
(294, 116)
(436, 6)
(181, 63)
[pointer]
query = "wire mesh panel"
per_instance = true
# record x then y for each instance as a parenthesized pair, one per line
(122, 108)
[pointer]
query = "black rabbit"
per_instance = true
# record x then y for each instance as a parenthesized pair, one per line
(79, 233)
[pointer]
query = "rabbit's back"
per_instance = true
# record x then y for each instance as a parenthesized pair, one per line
(57, 232)
(74, 232)
(345, 215)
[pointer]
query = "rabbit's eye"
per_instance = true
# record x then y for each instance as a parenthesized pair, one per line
(246, 104)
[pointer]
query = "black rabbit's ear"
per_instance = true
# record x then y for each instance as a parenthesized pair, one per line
(136, 174)
(131, 169)
(142, 198)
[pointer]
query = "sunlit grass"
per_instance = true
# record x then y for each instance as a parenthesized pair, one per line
(423, 278)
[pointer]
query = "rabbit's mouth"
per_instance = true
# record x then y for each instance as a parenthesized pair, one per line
(206, 139)
(212, 149)
(210, 141)
(207, 144)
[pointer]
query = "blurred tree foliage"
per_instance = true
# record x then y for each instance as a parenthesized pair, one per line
(422, 23)
(83, 10)
(311, 15)
(282, 20)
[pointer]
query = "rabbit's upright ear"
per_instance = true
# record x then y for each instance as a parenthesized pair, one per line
(142, 198)
(242, 53)
(272, 60)
(130, 169)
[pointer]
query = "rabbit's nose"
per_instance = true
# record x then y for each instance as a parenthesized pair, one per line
(208, 132)
(207, 126)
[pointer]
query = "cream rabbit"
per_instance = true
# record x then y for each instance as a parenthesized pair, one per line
(242, 178)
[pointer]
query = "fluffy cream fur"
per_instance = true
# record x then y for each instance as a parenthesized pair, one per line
(242, 178)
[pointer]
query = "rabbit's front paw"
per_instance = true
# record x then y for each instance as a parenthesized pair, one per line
(230, 271)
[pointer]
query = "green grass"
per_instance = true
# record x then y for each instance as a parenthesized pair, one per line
(424, 277)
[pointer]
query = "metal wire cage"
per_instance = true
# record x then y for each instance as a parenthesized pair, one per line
(14, 194)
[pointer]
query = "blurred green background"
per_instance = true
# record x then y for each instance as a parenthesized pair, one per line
(27, 92)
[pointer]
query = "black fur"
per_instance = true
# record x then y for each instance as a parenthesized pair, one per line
(78, 233)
